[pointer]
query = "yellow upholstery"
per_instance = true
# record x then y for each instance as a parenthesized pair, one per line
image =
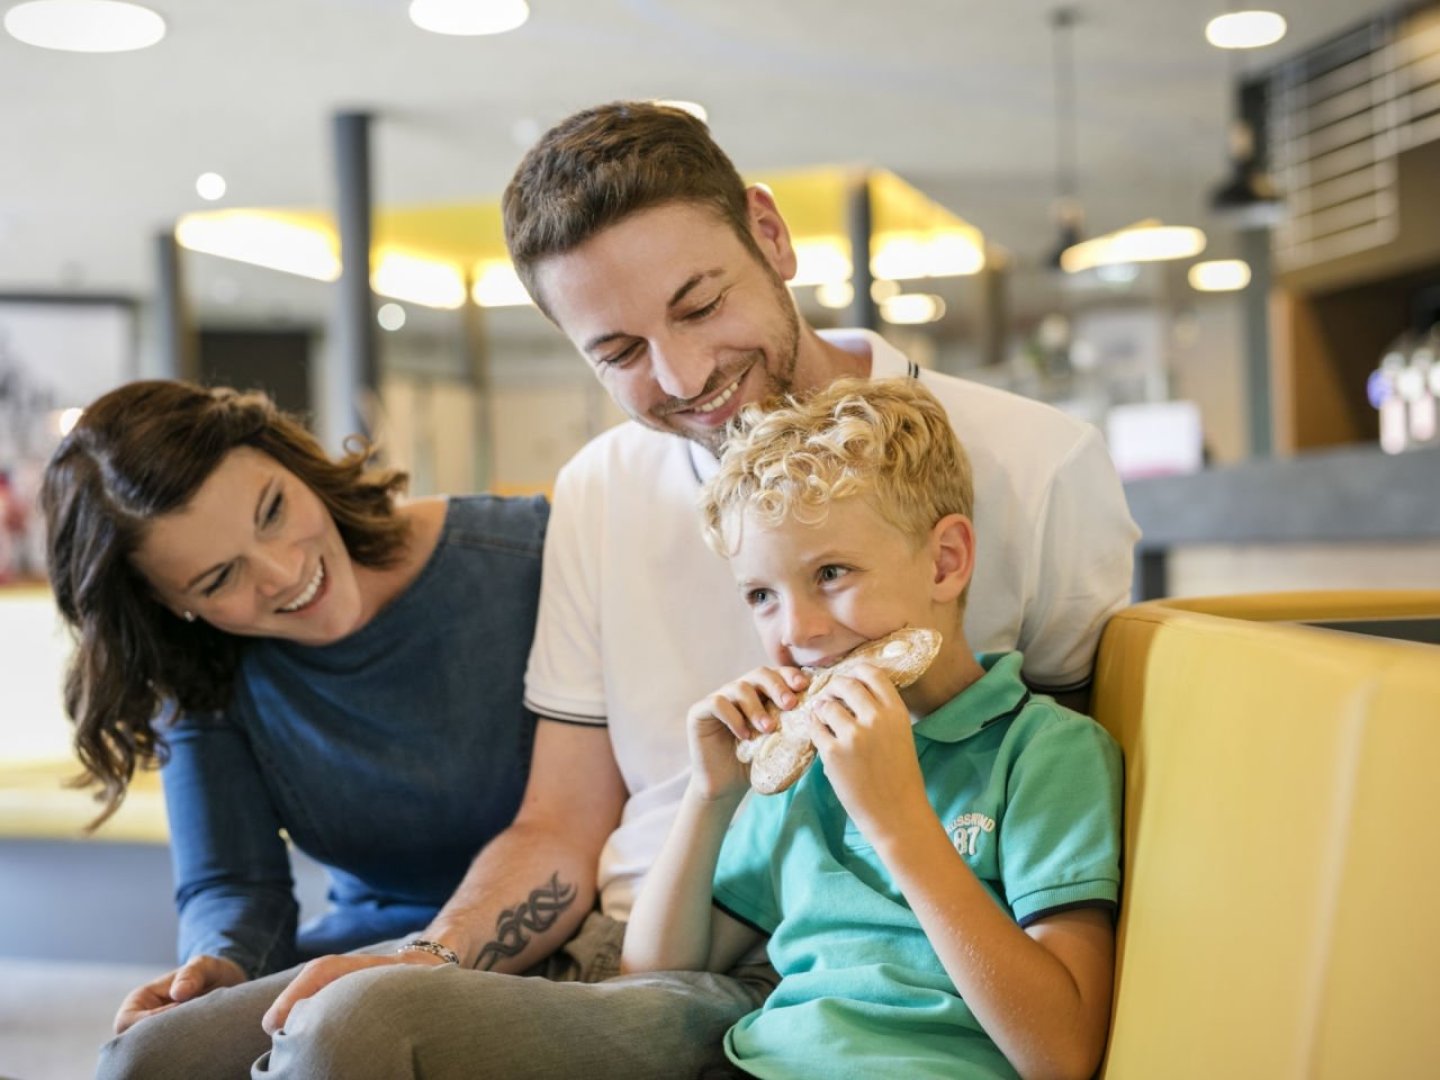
(1282, 788)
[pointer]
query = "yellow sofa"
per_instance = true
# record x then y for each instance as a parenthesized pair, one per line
(1282, 788)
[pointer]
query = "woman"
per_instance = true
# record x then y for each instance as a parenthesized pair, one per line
(305, 657)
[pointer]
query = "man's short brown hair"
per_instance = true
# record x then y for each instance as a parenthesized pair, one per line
(603, 164)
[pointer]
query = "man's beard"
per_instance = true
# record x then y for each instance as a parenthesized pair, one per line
(777, 381)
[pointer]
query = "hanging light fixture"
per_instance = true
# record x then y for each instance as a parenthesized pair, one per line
(1247, 198)
(1069, 216)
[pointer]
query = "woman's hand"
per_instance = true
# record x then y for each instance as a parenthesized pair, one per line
(194, 978)
(736, 711)
(862, 731)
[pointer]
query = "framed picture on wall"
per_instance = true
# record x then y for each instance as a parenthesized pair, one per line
(56, 355)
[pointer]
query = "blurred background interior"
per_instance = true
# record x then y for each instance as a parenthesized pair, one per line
(1226, 258)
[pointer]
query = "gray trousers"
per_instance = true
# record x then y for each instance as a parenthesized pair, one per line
(573, 1017)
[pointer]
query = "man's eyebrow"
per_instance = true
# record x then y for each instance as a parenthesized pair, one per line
(684, 290)
(679, 295)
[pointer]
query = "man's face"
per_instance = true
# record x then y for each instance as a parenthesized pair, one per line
(681, 322)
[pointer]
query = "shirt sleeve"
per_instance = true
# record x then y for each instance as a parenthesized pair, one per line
(565, 678)
(1083, 563)
(745, 872)
(1060, 838)
(233, 886)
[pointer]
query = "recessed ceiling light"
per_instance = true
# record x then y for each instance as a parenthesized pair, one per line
(468, 18)
(210, 186)
(1245, 29)
(91, 26)
(1220, 275)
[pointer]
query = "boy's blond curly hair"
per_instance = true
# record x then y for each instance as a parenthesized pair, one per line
(887, 441)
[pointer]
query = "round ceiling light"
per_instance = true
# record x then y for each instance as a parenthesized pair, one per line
(90, 26)
(1245, 29)
(469, 18)
(1219, 275)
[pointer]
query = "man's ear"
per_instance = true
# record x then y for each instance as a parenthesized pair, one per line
(771, 234)
(952, 547)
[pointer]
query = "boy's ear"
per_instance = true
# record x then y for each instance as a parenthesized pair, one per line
(952, 546)
(770, 232)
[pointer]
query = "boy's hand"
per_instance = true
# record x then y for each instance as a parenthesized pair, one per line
(736, 711)
(862, 732)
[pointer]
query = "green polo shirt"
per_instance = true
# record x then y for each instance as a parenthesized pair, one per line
(1030, 795)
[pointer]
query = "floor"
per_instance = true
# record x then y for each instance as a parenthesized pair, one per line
(54, 1014)
(81, 925)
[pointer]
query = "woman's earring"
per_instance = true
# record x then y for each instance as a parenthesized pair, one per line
(188, 616)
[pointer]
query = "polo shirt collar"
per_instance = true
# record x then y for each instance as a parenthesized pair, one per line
(996, 695)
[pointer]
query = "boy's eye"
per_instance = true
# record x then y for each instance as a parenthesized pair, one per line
(756, 597)
(214, 586)
(832, 572)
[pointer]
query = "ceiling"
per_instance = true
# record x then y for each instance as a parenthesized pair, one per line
(99, 153)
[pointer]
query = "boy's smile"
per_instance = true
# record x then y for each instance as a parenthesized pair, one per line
(817, 591)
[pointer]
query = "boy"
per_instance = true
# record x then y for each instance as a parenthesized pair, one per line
(933, 899)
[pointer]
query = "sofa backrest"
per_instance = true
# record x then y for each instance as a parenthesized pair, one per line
(1282, 838)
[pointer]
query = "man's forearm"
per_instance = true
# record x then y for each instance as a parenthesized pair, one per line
(521, 899)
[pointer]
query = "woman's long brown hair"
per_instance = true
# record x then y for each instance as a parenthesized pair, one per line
(137, 453)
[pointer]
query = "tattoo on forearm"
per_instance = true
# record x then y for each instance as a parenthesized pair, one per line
(536, 915)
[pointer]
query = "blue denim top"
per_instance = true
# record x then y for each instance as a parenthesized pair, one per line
(391, 757)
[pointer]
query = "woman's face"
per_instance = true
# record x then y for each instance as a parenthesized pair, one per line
(255, 553)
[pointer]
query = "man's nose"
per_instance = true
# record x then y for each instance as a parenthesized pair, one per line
(681, 370)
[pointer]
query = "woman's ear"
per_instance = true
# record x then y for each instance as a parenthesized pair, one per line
(771, 234)
(952, 547)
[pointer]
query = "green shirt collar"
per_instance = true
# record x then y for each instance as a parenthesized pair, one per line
(995, 695)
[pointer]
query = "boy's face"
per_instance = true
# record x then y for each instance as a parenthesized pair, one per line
(680, 321)
(818, 591)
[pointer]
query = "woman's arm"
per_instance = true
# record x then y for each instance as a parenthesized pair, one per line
(233, 885)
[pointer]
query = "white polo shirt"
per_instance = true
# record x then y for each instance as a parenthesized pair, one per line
(639, 619)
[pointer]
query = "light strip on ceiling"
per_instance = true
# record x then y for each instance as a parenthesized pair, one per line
(261, 239)
(427, 282)
(1145, 242)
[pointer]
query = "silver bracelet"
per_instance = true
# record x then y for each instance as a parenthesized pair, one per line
(434, 948)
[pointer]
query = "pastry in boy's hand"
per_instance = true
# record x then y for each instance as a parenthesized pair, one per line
(778, 758)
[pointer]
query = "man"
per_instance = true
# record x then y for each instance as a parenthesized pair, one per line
(635, 235)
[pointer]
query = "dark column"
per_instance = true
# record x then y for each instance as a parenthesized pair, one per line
(994, 314)
(477, 352)
(351, 377)
(860, 225)
(175, 330)
(1255, 248)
